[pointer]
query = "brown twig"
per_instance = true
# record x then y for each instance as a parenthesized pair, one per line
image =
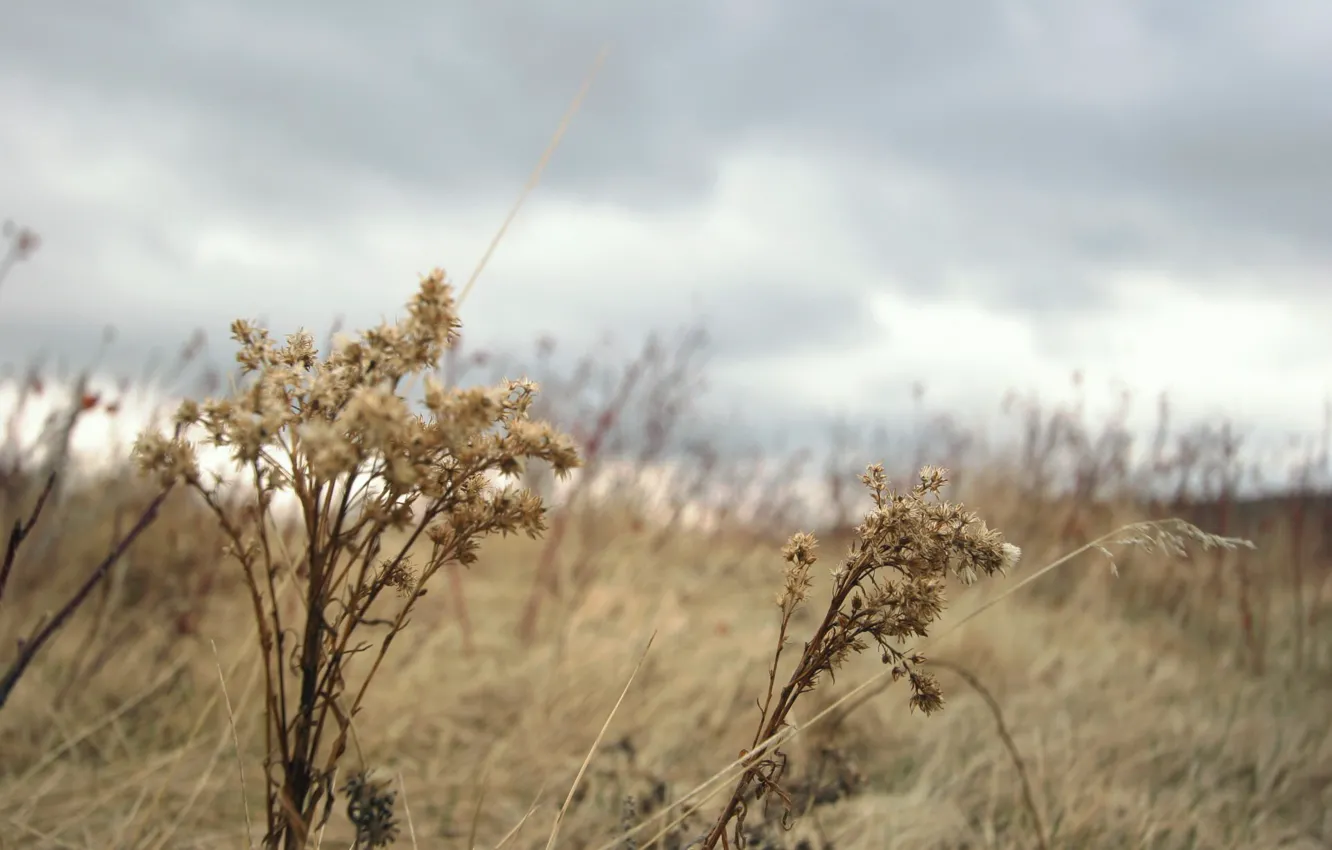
(21, 530)
(546, 577)
(29, 648)
(1028, 797)
(23, 243)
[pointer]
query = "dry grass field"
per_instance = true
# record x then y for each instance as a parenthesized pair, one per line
(1172, 702)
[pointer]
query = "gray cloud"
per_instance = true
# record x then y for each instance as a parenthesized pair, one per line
(1194, 104)
(1011, 153)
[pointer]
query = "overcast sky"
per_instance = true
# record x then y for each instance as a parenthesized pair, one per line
(852, 196)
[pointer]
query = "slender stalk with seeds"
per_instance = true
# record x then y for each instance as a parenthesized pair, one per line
(373, 479)
(889, 589)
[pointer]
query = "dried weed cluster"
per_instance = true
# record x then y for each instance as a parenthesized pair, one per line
(888, 590)
(392, 488)
(340, 434)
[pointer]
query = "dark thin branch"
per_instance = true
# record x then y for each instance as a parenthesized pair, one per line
(28, 649)
(21, 530)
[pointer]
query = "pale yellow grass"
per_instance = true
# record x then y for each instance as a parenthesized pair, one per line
(1133, 735)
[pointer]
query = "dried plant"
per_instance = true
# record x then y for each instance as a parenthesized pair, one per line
(370, 809)
(888, 590)
(23, 243)
(17, 479)
(48, 625)
(921, 539)
(339, 433)
(1028, 796)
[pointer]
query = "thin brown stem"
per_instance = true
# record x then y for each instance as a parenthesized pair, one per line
(22, 529)
(29, 648)
(1028, 797)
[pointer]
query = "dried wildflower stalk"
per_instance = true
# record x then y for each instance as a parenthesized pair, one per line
(338, 433)
(1171, 537)
(54, 453)
(49, 624)
(23, 243)
(888, 590)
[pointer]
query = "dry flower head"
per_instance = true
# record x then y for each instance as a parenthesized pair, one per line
(339, 433)
(888, 590)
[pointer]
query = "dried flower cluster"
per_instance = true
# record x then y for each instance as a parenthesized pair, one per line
(888, 590)
(370, 809)
(891, 587)
(339, 434)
